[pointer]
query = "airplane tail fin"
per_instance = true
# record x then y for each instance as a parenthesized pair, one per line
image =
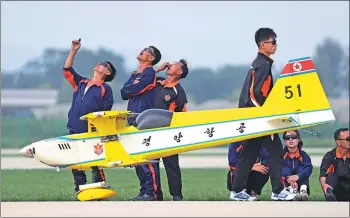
(298, 90)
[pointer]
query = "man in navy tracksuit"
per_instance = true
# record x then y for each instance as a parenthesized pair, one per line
(139, 90)
(259, 174)
(90, 95)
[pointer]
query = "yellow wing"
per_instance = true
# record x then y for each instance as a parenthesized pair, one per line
(107, 122)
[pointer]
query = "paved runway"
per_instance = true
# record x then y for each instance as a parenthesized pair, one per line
(175, 209)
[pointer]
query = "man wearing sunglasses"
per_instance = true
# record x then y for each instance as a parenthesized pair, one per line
(90, 95)
(139, 91)
(256, 88)
(335, 168)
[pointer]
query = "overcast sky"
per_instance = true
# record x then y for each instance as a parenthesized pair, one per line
(208, 34)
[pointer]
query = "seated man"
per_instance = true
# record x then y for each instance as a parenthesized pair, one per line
(335, 168)
(297, 166)
(257, 177)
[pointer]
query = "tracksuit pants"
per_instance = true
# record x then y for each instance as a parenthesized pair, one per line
(341, 187)
(173, 172)
(256, 181)
(80, 176)
(148, 175)
(249, 155)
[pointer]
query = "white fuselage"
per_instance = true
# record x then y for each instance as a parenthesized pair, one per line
(133, 143)
(60, 152)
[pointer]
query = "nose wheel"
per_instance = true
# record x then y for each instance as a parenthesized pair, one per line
(95, 194)
(95, 191)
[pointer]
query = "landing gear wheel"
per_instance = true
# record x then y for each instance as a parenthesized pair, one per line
(95, 194)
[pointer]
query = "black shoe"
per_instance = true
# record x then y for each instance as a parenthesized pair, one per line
(330, 195)
(146, 197)
(138, 197)
(177, 198)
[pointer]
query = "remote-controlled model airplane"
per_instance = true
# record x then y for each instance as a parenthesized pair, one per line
(296, 101)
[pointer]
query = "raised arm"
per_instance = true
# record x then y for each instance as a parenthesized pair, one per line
(68, 71)
(163, 67)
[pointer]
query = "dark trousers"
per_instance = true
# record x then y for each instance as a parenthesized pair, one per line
(249, 155)
(80, 176)
(256, 181)
(173, 172)
(341, 187)
(148, 175)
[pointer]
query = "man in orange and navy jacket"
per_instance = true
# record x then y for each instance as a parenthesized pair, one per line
(259, 174)
(335, 168)
(139, 90)
(255, 91)
(170, 95)
(90, 95)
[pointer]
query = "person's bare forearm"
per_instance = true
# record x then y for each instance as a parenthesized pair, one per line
(70, 59)
(323, 181)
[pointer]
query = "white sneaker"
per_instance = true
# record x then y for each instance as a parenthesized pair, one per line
(304, 195)
(284, 195)
(255, 196)
(241, 196)
(297, 195)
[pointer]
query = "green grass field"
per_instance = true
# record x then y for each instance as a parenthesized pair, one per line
(198, 185)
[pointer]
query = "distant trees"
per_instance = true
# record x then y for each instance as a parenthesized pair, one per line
(332, 65)
(331, 61)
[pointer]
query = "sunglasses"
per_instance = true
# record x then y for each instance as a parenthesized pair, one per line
(347, 138)
(273, 42)
(149, 51)
(288, 137)
(105, 64)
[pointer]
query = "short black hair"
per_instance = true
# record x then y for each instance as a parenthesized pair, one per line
(264, 34)
(111, 76)
(338, 131)
(184, 68)
(157, 55)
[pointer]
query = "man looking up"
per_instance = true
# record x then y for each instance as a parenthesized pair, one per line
(139, 91)
(90, 95)
(170, 95)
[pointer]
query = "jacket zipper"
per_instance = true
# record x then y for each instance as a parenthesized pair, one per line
(85, 92)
